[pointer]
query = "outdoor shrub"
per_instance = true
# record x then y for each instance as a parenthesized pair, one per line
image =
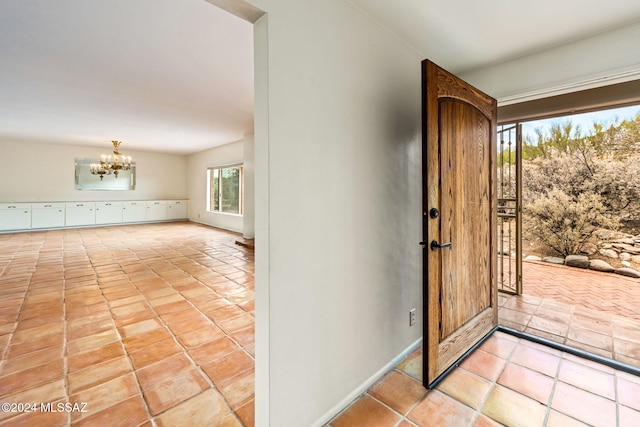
(563, 222)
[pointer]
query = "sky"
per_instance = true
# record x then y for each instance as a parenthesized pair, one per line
(585, 120)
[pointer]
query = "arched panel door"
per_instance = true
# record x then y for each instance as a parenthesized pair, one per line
(459, 230)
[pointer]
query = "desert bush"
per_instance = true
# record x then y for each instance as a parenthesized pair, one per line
(564, 223)
(574, 183)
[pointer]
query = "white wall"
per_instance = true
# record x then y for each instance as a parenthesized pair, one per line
(606, 58)
(198, 163)
(248, 223)
(35, 172)
(338, 214)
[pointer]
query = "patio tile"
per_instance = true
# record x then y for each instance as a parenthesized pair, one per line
(438, 409)
(174, 390)
(367, 412)
(499, 406)
(465, 387)
(206, 409)
(584, 406)
(484, 364)
(398, 390)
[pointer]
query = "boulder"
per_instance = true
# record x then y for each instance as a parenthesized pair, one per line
(626, 263)
(629, 272)
(635, 258)
(533, 258)
(553, 260)
(625, 256)
(609, 253)
(599, 265)
(579, 261)
(589, 248)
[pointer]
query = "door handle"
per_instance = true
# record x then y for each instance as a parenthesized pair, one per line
(435, 245)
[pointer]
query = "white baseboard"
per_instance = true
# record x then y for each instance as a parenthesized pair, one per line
(366, 385)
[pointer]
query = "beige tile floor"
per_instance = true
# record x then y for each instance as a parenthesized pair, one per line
(506, 381)
(153, 325)
(145, 324)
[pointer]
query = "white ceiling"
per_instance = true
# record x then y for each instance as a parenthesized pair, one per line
(162, 75)
(177, 75)
(462, 35)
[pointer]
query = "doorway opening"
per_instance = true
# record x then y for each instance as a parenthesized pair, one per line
(570, 266)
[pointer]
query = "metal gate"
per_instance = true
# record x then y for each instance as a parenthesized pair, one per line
(510, 208)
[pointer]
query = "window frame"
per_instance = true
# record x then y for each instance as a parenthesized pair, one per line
(211, 201)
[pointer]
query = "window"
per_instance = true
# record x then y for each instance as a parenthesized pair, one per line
(225, 189)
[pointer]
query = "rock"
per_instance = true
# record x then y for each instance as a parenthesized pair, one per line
(629, 272)
(627, 248)
(626, 263)
(533, 258)
(604, 234)
(579, 261)
(589, 249)
(553, 260)
(625, 256)
(609, 253)
(635, 258)
(607, 246)
(599, 265)
(627, 240)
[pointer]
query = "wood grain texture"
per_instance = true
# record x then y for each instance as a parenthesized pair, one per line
(459, 152)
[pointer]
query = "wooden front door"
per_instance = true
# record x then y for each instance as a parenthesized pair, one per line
(459, 230)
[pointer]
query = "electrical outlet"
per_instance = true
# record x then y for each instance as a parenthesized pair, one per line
(412, 317)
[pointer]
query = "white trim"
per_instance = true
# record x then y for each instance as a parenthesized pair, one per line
(344, 403)
(595, 82)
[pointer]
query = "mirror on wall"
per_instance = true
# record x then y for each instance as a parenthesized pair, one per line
(85, 180)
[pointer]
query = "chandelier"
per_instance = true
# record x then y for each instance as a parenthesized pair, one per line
(111, 164)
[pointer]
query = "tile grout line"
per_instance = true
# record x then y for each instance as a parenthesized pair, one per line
(126, 353)
(185, 351)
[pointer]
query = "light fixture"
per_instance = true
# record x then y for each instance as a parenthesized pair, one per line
(109, 164)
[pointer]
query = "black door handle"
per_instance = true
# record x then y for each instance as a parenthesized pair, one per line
(435, 245)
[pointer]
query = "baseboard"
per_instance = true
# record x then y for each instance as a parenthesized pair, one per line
(366, 385)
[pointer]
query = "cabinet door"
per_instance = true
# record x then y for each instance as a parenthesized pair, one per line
(108, 212)
(15, 216)
(47, 215)
(80, 214)
(134, 211)
(156, 211)
(177, 209)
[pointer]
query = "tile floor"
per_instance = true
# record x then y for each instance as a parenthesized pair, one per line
(146, 324)
(153, 325)
(507, 381)
(593, 311)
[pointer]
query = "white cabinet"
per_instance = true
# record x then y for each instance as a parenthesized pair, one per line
(108, 212)
(80, 213)
(47, 215)
(15, 216)
(134, 211)
(157, 210)
(176, 209)
(23, 216)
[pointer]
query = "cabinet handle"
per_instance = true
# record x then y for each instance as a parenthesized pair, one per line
(11, 207)
(47, 206)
